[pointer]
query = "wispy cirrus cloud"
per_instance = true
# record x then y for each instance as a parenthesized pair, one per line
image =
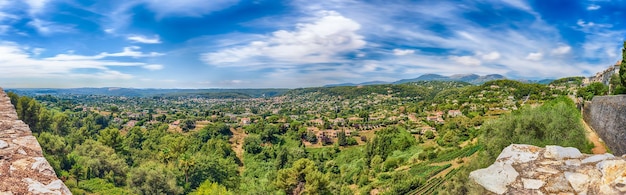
(36, 6)
(19, 63)
(194, 8)
(127, 52)
(144, 39)
(401, 52)
(48, 28)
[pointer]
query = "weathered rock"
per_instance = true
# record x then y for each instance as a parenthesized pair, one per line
(553, 170)
(558, 152)
(532, 184)
(23, 169)
(495, 177)
(596, 158)
(518, 153)
(578, 181)
(3, 144)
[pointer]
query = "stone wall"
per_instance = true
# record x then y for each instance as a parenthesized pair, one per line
(607, 116)
(23, 169)
(527, 169)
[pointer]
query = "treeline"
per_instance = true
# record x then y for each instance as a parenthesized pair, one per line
(420, 90)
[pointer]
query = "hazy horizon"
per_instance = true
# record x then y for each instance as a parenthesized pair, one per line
(232, 44)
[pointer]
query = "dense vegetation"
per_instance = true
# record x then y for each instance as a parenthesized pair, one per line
(391, 139)
(556, 122)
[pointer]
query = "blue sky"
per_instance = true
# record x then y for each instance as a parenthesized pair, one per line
(299, 43)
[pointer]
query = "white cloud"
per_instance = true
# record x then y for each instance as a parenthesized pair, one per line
(466, 60)
(127, 52)
(513, 41)
(47, 28)
(561, 50)
(20, 62)
(582, 23)
(401, 52)
(131, 52)
(535, 56)
(593, 7)
(587, 26)
(320, 41)
(193, 8)
(36, 6)
(153, 67)
(520, 4)
(141, 39)
(38, 51)
(6, 16)
(490, 56)
(4, 3)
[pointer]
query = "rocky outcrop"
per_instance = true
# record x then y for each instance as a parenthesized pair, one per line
(607, 116)
(527, 169)
(23, 169)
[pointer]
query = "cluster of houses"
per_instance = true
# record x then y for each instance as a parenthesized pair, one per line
(437, 117)
(603, 76)
(331, 134)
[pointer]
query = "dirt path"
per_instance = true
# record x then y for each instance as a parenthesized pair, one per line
(599, 147)
(237, 141)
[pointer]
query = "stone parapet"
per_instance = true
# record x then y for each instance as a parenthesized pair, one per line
(23, 169)
(527, 169)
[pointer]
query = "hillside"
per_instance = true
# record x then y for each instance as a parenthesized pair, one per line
(418, 137)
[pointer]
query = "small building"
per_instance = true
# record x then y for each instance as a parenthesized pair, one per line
(320, 135)
(333, 134)
(246, 121)
(432, 118)
(131, 123)
(454, 113)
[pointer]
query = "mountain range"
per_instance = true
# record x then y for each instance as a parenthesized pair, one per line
(470, 78)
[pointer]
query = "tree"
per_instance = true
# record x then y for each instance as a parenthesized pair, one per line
(616, 86)
(341, 138)
(311, 137)
(99, 160)
(77, 172)
(303, 176)
(592, 90)
(153, 178)
(111, 137)
(211, 188)
(622, 66)
(134, 138)
(187, 125)
(429, 134)
(252, 144)
(214, 169)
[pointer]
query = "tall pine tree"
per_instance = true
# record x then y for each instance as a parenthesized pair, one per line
(622, 66)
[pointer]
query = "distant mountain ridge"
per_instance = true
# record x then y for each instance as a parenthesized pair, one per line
(469, 78)
(134, 92)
